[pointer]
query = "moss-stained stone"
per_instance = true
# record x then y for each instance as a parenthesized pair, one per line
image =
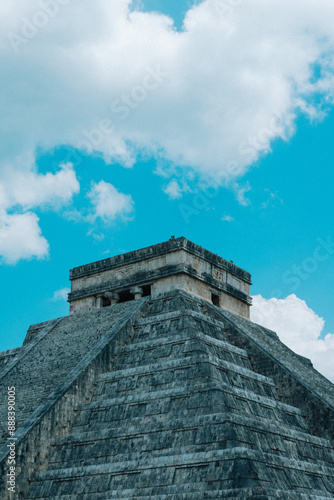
(164, 397)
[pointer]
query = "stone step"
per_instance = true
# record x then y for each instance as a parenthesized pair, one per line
(186, 302)
(181, 337)
(181, 391)
(193, 438)
(178, 314)
(152, 327)
(186, 369)
(221, 468)
(139, 352)
(209, 433)
(176, 363)
(128, 452)
(141, 426)
(197, 398)
(195, 492)
(49, 357)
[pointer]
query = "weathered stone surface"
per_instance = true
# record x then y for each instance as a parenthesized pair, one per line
(159, 388)
(178, 411)
(7, 356)
(44, 362)
(296, 380)
(49, 411)
(174, 264)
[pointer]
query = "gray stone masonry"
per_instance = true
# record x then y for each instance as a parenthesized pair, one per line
(49, 411)
(174, 264)
(296, 381)
(182, 401)
(7, 356)
(48, 358)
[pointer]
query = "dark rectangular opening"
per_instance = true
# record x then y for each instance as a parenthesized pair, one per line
(125, 296)
(146, 290)
(105, 302)
(215, 299)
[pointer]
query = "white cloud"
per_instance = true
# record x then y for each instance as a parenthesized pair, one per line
(173, 190)
(298, 327)
(20, 238)
(111, 80)
(227, 218)
(61, 294)
(24, 189)
(109, 203)
(212, 97)
(28, 189)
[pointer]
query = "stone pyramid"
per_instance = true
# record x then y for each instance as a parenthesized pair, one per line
(165, 397)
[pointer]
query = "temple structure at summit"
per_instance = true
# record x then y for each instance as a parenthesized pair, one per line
(177, 264)
(157, 385)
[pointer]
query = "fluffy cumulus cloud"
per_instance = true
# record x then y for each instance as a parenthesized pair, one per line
(109, 79)
(61, 294)
(113, 79)
(21, 238)
(28, 189)
(298, 327)
(108, 203)
(21, 190)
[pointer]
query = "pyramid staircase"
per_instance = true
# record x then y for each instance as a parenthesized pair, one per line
(182, 415)
(50, 352)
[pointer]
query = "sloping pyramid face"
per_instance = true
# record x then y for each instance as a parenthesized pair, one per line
(46, 360)
(182, 415)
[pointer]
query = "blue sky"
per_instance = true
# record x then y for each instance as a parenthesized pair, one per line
(150, 142)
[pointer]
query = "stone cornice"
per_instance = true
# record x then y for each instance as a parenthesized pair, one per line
(169, 246)
(145, 277)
